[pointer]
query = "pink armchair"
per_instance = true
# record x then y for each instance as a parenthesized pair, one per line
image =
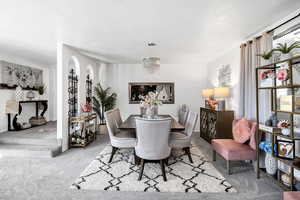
(231, 150)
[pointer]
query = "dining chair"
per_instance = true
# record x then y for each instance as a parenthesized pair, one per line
(153, 142)
(182, 116)
(118, 138)
(118, 118)
(183, 139)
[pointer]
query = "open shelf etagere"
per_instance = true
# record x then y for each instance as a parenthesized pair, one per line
(291, 86)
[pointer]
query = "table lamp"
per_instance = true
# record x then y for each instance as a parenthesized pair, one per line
(208, 94)
(221, 92)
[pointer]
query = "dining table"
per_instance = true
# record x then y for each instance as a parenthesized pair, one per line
(130, 124)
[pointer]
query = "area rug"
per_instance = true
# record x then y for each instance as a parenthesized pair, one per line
(122, 174)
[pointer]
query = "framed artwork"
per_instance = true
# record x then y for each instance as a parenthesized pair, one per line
(286, 103)
(285, 149)
(12, 75)
(165, 91)
(224, 76)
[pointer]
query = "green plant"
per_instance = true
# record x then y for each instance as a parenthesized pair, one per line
(285, 48)
(103, 101)
(41, 89)
(266, 55)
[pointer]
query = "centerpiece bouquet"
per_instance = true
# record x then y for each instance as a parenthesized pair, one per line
(149, 104)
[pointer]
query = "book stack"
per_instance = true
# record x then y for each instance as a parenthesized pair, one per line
(270, 129)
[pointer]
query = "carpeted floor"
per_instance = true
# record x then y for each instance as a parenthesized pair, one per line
(122, 173)
(50, 178)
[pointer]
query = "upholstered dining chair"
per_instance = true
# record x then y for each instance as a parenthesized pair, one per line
(153, 142)
(182, 116)
(183, 139)
(118, 138)
(118, 118)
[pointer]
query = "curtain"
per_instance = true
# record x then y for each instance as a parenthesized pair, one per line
(248, 62)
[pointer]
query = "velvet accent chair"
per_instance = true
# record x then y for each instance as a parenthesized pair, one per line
(183, 139)
(291, 195)
(153, 142)
(231, 150)
(118, 138)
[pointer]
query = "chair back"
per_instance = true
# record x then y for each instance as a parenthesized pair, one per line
(153, 138)
(190, 123)
(111, 122)
(182, 116)
(253, 130)
(118, 118)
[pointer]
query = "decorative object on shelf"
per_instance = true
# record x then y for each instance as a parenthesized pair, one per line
(286, 179)
(270, 129)
(30, 95)
(272, 121)
(19, 93)
(266, 77)
(284, 125)
(297, 162)
(286, 103)
(89, 92)
(270, 161)
(286, 49)
(208, 94)
(165, 90)
(283, 76)
(222, 93)
(41, 90)
(285, 149)
(103, 101)
(13, 75)
(151, 103)
(86, 108)
(267, 55)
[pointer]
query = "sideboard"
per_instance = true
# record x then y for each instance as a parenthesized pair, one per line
(215, 124)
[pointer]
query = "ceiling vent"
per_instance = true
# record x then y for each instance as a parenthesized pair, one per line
(151, 62)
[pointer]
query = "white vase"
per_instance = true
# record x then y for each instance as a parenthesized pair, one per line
(152, 111)
(285, 131)
(271, 164)
(285, 56)
(266, 82)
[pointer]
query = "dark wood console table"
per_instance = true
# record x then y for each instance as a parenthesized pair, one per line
(215, 124)
(15, 123)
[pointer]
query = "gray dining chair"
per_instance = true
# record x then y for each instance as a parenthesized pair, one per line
(118, 118)
(118, 138)
(153, 142)
(182, 116)
(183, 139)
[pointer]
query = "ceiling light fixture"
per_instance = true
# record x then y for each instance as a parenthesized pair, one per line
(151, 44)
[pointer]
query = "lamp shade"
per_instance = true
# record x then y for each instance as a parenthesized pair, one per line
(12, 107)
(208, 92)
(221, 92)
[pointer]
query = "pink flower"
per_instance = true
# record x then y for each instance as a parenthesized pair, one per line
(282, 74)
(263, 76)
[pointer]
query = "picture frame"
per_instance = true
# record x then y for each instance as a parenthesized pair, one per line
(285, 149)
(166, 91)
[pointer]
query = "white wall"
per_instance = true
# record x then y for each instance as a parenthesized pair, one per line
(64, 54)
(232, 58)
(189, 81)
(28, 109)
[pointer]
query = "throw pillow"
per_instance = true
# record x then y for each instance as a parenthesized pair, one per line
(241, 131)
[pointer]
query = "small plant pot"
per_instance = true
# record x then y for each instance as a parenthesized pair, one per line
(268, 82)
(286, 56)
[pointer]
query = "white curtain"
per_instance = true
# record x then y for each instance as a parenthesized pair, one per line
(249, 61)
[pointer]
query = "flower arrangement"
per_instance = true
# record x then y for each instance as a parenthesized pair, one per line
(283, 124)
(151, 99)
(283, 74)
(267, 74)
(267, 147)
(86, 108)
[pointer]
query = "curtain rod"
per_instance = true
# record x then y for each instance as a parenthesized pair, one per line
(283, 23)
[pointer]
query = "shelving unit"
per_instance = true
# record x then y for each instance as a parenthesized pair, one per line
(293, 87)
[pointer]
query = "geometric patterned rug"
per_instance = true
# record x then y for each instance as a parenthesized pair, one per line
(182, 176)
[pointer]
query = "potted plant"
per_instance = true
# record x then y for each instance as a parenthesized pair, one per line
(267, 55)
(41, 89)
(103, 101)
(286, 50)
(270, 161)
(284, 125)
(151, 102)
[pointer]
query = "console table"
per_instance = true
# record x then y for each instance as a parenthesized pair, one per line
(15, 124)
(215, 124)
